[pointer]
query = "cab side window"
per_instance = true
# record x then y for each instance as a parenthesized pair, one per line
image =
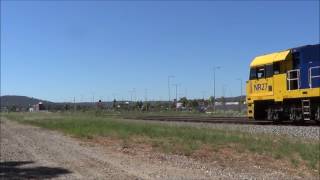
(260, 72)
(253, 74)
(276, 68)
(266, 71)
(269, 70)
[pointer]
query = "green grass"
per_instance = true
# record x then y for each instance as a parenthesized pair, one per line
(175, 139)
(128, 114)
(218, 113)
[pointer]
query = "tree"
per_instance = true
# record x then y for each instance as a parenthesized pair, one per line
(67, 107)
(195, 103)
(13, 108)
(114, 104)
(184, 101)
(139, 104)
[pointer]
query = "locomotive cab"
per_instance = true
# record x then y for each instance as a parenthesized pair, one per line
(285, 85)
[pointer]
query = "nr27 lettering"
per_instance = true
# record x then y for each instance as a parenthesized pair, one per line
(260, 87)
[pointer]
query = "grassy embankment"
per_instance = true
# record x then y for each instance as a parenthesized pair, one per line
(142, 114)
(173, 139)
(218, 113)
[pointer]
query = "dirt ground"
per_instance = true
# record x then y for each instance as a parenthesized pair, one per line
(29, 152)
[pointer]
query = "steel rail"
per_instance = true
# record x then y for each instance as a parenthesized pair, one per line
(219, 120)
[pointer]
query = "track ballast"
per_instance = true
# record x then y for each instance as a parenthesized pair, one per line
(214, 119)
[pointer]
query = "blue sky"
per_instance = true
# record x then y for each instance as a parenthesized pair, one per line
(59, 50)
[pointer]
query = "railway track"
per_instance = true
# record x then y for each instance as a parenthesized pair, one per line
(217, 120)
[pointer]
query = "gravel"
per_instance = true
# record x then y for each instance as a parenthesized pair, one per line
(304, 132)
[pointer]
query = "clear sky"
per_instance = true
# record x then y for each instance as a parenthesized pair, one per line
(57, 50)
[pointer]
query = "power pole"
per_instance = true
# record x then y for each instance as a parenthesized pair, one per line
(169, 89)
(176, 85)
(214, 86)
(224, 89)
(176, 99)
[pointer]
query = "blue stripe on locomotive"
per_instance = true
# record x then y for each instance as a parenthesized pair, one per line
(303, 58)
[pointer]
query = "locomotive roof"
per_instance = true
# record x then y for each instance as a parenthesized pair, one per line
(269, 58)
(282, 55)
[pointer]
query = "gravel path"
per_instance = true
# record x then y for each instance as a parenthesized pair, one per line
(31, 152)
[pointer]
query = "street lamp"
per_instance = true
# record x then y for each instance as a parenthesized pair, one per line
(169, 77)
(214, 85)
(176, 85)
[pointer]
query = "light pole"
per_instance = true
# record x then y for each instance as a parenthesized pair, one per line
(169, 77)
(176, 85)
(223, 98)
(214, 86)
(240, 100)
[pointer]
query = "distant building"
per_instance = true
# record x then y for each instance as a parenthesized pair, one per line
(37, 107)
(179, 105)
(232, 103)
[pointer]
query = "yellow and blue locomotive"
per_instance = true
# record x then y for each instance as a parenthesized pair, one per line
(285, 85)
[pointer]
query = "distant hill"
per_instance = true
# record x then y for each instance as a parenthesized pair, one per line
(20, 101)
